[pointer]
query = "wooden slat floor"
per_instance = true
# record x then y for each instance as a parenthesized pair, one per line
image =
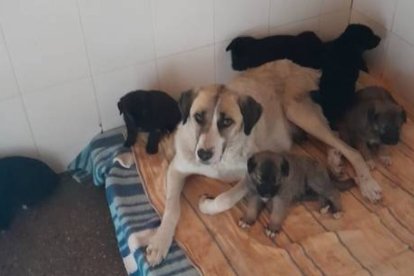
(370, 239)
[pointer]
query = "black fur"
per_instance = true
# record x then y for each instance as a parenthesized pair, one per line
(23, 181)
(284, 168)
(303, 49)
(184, 103)
(251, 112)
(341, 62)
(149, 111)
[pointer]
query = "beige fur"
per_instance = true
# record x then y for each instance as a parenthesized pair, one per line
(281, 87)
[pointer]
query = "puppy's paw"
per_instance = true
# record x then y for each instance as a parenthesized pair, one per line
(244, 224)
(337, 215)
(324, 210)
(371, 164)
(386, 160)
(157, 249)
(206, 205)
(370, 189)
(271, 233)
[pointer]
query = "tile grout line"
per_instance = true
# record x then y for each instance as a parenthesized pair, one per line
(350, 11)
(214, 41)
(19, 89)
(90, 74)
(268, 17)
(154, 42)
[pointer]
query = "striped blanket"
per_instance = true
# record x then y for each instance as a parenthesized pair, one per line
(131, 212)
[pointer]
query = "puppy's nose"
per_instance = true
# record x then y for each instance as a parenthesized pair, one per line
(205, 154)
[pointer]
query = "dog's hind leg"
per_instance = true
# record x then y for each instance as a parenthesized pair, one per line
(308, 116)
(224, 201)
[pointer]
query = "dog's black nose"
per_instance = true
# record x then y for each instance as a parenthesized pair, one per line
(204, 155)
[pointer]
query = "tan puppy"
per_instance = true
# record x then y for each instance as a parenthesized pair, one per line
(223, 125)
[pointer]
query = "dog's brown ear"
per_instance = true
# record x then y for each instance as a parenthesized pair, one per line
(184, 103)
(251, 112)
(284, 167)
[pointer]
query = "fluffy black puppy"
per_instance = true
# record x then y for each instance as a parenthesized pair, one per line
(341, 61)
(149, 111)
(23, 181)
(303, 49)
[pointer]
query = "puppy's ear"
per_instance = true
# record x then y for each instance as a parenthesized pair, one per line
(284, 167)
(403, 116)
(251, 112)
(184, 103)
(251, 164)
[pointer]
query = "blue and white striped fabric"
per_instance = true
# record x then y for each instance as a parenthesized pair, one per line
(133, 216)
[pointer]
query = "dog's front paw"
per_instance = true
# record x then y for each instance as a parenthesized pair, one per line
(244, 223)
(324, 210)
(370, 189)
(337, 215)
(206, 205)
(386, 160)
(157, 249)
(371, 164)
(271, 232)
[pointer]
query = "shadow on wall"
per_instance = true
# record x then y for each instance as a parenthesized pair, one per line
(176, 81)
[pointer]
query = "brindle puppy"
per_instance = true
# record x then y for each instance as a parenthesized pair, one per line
(280, 180)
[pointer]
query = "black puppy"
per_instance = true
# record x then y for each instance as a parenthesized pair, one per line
(149, 111)
(304, 49)
(341, 62)
(23, 181)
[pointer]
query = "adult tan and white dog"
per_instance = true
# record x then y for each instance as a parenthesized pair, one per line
(223, 126)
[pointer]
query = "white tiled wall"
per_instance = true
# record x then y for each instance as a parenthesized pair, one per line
(394, 59)
(64, 64)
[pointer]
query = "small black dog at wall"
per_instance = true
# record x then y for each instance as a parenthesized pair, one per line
(149, 111)
(23, 182)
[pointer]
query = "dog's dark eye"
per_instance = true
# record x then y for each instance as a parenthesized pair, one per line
(226, 122)
(199, 117)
